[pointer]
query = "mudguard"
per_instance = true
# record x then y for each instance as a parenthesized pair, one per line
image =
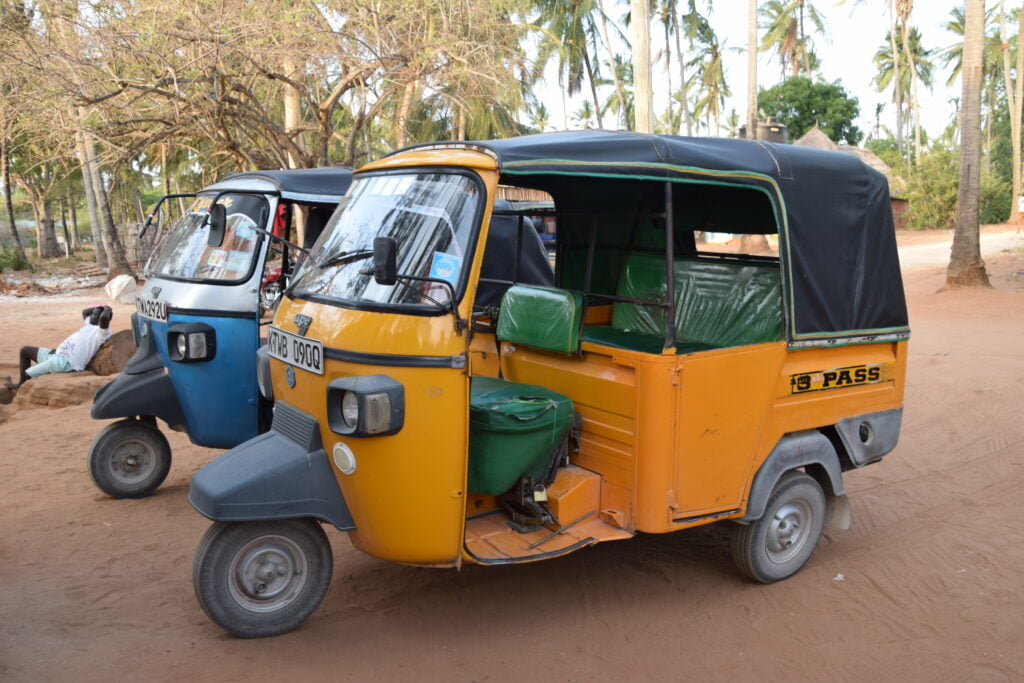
(799, 449)
(145, 393)
(282, 474)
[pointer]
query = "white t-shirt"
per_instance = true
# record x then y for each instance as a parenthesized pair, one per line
(80, 347)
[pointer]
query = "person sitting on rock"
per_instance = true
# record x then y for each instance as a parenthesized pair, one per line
(74, 353)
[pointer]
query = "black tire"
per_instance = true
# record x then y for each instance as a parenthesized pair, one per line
(260, 579)
(129, 459)
(778, 544)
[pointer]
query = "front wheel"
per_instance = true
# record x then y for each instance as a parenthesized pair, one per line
(129, 459)
(259, 579)
(778, 544)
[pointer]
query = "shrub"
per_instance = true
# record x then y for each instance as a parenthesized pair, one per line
(11, 258)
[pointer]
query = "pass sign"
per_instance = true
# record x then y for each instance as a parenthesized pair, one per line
(307, 354)
(838, 378)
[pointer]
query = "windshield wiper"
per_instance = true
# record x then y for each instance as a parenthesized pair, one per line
(346, 257)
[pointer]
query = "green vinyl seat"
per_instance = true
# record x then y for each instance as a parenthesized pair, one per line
(541, 318)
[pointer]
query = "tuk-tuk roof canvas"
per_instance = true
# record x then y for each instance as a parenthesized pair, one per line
(315, 185)
(837, 241)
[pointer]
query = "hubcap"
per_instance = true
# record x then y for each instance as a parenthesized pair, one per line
(788, 531)
(132, 461)
(267, 573)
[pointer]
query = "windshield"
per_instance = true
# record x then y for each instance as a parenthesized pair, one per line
(183, 252)
(431, 215)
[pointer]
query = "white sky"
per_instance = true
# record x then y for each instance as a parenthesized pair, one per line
(856, 31)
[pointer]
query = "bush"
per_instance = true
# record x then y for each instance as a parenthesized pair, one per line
(11, 258)
(931, 190)
(995, 198)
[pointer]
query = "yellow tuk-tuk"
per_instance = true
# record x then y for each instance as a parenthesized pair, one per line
(445, 395)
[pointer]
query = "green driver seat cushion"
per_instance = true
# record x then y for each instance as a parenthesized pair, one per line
(541, 318)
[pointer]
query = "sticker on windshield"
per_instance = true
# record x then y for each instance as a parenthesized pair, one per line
(216, 257)
(245, 232)
(238, 260)
(445, 267)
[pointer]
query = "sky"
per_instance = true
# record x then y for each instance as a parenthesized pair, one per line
(856, 31)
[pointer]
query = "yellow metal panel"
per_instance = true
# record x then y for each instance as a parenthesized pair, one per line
(465, 158)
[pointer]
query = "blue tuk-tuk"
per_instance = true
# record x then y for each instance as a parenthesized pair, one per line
(197, 325)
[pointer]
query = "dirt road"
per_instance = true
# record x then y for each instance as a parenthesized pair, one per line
(927, 585)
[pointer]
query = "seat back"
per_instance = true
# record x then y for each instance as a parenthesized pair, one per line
(541, 318)
(718, 303)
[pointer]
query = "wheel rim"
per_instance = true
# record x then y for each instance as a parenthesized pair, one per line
(267, 573)
(788, 531)
(132, 461)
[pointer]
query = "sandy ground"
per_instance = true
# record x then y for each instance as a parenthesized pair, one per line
(926, 585)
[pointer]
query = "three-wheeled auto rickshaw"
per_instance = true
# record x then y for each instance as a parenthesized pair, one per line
(655, 386)
(198, 322)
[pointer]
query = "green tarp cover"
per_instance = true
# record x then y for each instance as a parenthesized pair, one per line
(513, 430)
(541, 318)
(718, 303)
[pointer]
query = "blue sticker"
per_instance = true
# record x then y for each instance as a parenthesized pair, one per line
(245, 232)
(445, 267)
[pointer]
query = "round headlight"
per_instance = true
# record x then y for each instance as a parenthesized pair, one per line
(182, 345)
(350, 409)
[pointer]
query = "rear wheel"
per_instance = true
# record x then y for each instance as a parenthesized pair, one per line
(129, 459)
(259, 579)
(778, 544)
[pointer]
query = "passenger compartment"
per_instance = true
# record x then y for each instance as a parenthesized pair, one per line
(718, 303)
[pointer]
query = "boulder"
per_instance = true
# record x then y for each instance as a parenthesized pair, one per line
(58, 390)
(121, 289)
(111, 358)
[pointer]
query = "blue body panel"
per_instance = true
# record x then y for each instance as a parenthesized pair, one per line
(219, 397)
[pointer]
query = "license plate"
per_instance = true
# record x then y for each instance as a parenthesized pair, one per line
(154, 309)
(307, 354)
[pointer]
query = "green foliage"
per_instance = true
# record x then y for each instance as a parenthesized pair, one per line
(800, 102)
(11, 258)
(932, 191)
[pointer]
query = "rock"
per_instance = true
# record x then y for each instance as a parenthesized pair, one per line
(121, 289)
(58, 390)
(110, 359)
(6, 391)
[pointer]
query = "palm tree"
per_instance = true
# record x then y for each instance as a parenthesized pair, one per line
(585, 115)
(643, 95)
(784, 32)
(966, 268)
(900, 73)
(1014, 95)
(751, 69)
(713, 86)
(621, 100)
(571, 33)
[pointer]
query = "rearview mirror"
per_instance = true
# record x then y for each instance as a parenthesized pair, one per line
(385, 260)
(218, 221)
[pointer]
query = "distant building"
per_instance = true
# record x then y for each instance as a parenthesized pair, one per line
(817, 139)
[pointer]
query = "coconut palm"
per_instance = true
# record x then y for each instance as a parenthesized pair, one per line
(571, 34)
(966, 267)
(713, 85)
(899, 73)
(784, 32)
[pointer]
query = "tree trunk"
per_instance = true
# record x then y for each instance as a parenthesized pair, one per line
(966, 267)
(1014, 93)
(897, 92)
(117, 261)
(75, 241)
(403, 114)
(68, 249)
(47, 246)
(5, 160)
(752, 69)
(643, 109)
(668, 71)
(292, 115)
(619, 90)
(593, 88)
(912, 65)
(683, 97)
(90, 200)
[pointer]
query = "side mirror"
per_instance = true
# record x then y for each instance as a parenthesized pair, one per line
(385, 260)
(218, 222)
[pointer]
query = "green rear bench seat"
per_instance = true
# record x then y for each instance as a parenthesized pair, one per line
(718, 304)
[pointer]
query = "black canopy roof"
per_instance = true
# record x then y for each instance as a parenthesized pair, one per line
(836, 235)
(315, 185)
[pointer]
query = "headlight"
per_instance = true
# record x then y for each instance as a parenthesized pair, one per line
(350, 409)
(191, 342)
(365, 406)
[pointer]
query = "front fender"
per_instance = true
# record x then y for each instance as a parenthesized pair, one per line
(146, 393)
(282, 474)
